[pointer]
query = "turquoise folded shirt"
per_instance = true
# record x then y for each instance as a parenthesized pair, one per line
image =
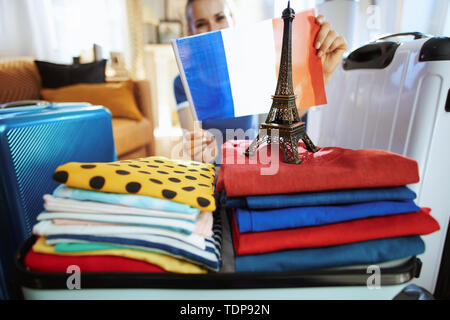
(360, 253)
(129, 200)
(74, 247)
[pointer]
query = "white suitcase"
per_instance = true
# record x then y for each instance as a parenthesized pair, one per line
(395, 96)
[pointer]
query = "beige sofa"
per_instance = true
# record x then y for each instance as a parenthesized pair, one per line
(20, 80)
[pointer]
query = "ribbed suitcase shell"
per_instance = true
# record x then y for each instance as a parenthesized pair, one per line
(34, 141)
(400, 108)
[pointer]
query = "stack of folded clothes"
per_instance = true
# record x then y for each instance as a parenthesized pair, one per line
(338, 208)
(146, 215)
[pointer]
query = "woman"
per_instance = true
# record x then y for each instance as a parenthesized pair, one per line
(211, 15)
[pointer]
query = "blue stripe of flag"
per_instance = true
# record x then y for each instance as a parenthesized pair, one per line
(205, 65)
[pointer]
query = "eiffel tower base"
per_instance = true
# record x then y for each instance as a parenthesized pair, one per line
(287, 136)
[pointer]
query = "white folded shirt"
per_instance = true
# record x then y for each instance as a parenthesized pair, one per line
(201, 227)
(53, 204)
(47, 227)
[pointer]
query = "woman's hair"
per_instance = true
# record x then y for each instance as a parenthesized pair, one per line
(188, 4)
(188, 19)
(229, 3)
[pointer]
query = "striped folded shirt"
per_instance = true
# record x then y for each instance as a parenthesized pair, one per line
(48, 228)
(209, 257)
(202, 227)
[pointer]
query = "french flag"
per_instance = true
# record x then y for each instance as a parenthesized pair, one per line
(233, 72)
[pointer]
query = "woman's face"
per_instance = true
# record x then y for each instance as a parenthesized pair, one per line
(208, 15)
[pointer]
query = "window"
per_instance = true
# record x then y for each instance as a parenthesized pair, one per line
(57, 30)
(447, 24)
(79, 24)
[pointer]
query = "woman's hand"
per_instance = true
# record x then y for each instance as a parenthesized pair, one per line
(330, 47)
(200, 146)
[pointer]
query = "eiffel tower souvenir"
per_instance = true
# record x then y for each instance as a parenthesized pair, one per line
(283, 125)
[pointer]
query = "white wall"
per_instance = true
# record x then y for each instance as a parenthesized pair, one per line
(157, 7)
(342, 15)
(251, 11)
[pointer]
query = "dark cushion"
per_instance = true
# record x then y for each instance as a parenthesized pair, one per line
(60, 75)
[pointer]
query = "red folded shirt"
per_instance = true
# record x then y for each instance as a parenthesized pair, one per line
(43, 262)
(415, 223)
(328, 169)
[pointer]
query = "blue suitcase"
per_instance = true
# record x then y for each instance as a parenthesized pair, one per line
(34, 140)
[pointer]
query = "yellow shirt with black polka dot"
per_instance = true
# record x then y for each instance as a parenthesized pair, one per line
(187, 182)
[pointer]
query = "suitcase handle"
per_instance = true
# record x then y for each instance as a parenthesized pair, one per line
(377, 55)
(24, 103)
(417, 35)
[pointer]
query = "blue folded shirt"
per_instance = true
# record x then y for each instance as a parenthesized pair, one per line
(288, 218)
(320, 198)
(359, 253)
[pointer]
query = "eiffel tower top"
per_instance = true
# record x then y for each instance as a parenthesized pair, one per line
(288, 12)
(285, 85)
